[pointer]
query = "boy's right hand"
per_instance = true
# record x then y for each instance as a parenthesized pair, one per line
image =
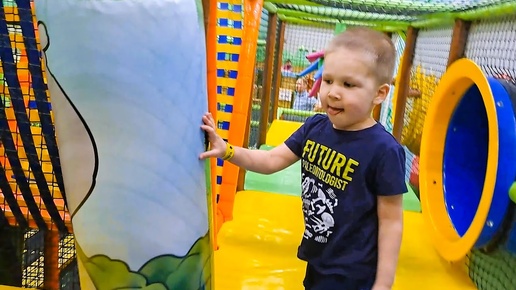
(217, 144)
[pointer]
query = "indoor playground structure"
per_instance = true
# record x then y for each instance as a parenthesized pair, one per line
(101, 186)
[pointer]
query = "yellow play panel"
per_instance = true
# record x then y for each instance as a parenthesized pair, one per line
(280, 130)
(258, 249)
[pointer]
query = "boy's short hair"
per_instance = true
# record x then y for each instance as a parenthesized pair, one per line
(373, 42)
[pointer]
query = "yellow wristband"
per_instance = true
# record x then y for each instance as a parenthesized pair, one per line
(230, 152)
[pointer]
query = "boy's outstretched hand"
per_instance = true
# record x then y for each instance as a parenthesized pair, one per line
(217, 144)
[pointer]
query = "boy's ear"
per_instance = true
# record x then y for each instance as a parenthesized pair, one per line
(381, 95)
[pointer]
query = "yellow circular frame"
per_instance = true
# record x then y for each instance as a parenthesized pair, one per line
(459, 77)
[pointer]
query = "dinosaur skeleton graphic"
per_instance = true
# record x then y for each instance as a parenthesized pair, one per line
(318, 209)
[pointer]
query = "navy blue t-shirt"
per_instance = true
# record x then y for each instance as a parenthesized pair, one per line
(343, 172)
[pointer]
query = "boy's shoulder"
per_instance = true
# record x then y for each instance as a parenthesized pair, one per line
(384, 139)
(317, 118)
(315, 121)
(379, 143)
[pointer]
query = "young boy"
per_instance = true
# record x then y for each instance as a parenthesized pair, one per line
(353, 171)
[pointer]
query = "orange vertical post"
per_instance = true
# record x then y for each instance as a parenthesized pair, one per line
(268, 74)
(278, 77)
(243, 91)
(459, 40)
(402, 85)
(210, 21)
(51, 256)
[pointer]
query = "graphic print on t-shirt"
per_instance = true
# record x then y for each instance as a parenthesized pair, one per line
(318, 208)
(325, 173)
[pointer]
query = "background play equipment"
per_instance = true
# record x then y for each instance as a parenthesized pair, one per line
(464, 180)
(121, 202)
(317, 65)
(316, 60)
(512, 192)
(511, 238)
(466, 168)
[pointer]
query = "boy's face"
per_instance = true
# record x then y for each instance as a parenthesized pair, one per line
(349, 89)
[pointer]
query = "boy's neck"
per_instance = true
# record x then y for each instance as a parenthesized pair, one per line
(362, 125)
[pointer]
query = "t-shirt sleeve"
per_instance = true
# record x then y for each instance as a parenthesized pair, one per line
(296, 141)
(390, 172)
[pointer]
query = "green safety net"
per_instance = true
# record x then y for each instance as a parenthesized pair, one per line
(409, 7)
(388, 15)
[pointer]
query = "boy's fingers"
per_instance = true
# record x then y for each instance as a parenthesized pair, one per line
(212, 122)
(209, 121)
(207, 154)
(208, 129)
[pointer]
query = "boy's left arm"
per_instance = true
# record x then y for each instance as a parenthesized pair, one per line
(390, 227)
(389, 187)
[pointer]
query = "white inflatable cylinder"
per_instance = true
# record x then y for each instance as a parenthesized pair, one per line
(127, 81)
